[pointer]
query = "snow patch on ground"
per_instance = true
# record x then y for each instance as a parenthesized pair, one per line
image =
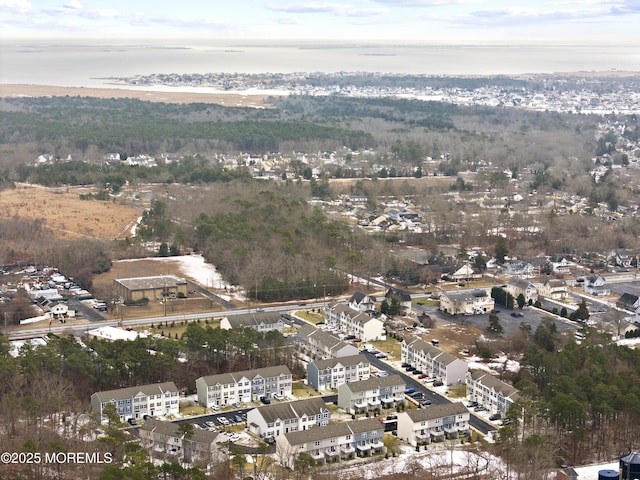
(197, 269)
(497, 365)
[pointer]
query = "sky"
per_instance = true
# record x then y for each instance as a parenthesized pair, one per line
(410, 21)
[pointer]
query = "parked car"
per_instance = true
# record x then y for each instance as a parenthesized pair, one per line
(215, 408)
(426, 402)
(422, 375)
(237, 418)
(472, 404)
(417, 396)
(234, 438)
(438, 383)
(265, 400)
(278, 397)
(409, 391)
(382, 373)
(381, 355)
(132, 421)
(223, 421)
(479, 408)
(495, 416)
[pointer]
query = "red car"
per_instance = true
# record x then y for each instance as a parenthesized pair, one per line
(422, 375)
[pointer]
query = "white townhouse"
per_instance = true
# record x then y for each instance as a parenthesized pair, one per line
(164, 437)
(433, 424)
(243, 387)
(320, 344)
(432, 361)
(260, 321)
(555, 289)
(342, 318)
(371, 394)
(332, 443)
(490, 392)
(333, 372)
(469, 302)
(135, 402)
(284, 417)
(521, 286)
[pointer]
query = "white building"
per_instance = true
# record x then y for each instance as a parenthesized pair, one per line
(349, 321)
(433, 424)
(469, 302)
(490, 392)
(284, 417)
(136, 402)
(331, 373)
(371, 394)
(432, 361)
(243, 387)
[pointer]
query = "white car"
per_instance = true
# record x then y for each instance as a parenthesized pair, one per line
(278, 397)
(234, 438)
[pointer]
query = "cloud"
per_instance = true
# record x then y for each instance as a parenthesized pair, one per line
(16, 6)
(73, 5)
(336, 9)
(423, 3)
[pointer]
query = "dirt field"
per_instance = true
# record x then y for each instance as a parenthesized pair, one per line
(228, 99)
(66, 215)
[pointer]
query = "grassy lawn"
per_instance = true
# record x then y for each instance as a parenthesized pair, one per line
(389, 346)
(459, 391)
(311, 316)
(300, 390)
(191, 410)
(427, 302)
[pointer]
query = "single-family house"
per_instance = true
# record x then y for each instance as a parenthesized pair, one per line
(517, 267)
(331, 373)
(140, 401)
(465, 273)
(284, 417)
(332, 443)
(243, 387)
(259, 321)
(490, 392)
(628, 301)
(553, 288)
(371, 394)
(433, 424)
(362, 302)
(468, 302)
(595, 285)
(432, 361)
(520, 286)
(621, 258)
(403, 298)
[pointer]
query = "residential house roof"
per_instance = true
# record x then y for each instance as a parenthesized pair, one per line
(297, 409)
(375, 382)
(144, 283)
(348, 361)
(333, 430)
(436, 411)
(254, 319)
(494, 383)
(234, 377)
(130, 392)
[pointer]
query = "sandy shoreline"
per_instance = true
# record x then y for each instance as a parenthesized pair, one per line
(228, 99)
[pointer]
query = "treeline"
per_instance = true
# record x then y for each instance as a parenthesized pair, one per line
(190, 170)
(144, 127)
(578, 403)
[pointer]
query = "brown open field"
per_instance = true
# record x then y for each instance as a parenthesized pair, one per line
(66, 215)
(227, 99)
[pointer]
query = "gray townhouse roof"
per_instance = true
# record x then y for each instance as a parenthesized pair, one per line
(418, 343)
(498, 385)
(297, 409)
(143, 283)
(362, 318)
(130, 392)
(306, 330)
(345, 361)
(254, 319)
(520, 283)
(341, 307)
(375, 382)
(170, 429)
(436, 411)
(234, 377)
(333, 430)
(627, 299)
(446, 358)
(357, 297)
